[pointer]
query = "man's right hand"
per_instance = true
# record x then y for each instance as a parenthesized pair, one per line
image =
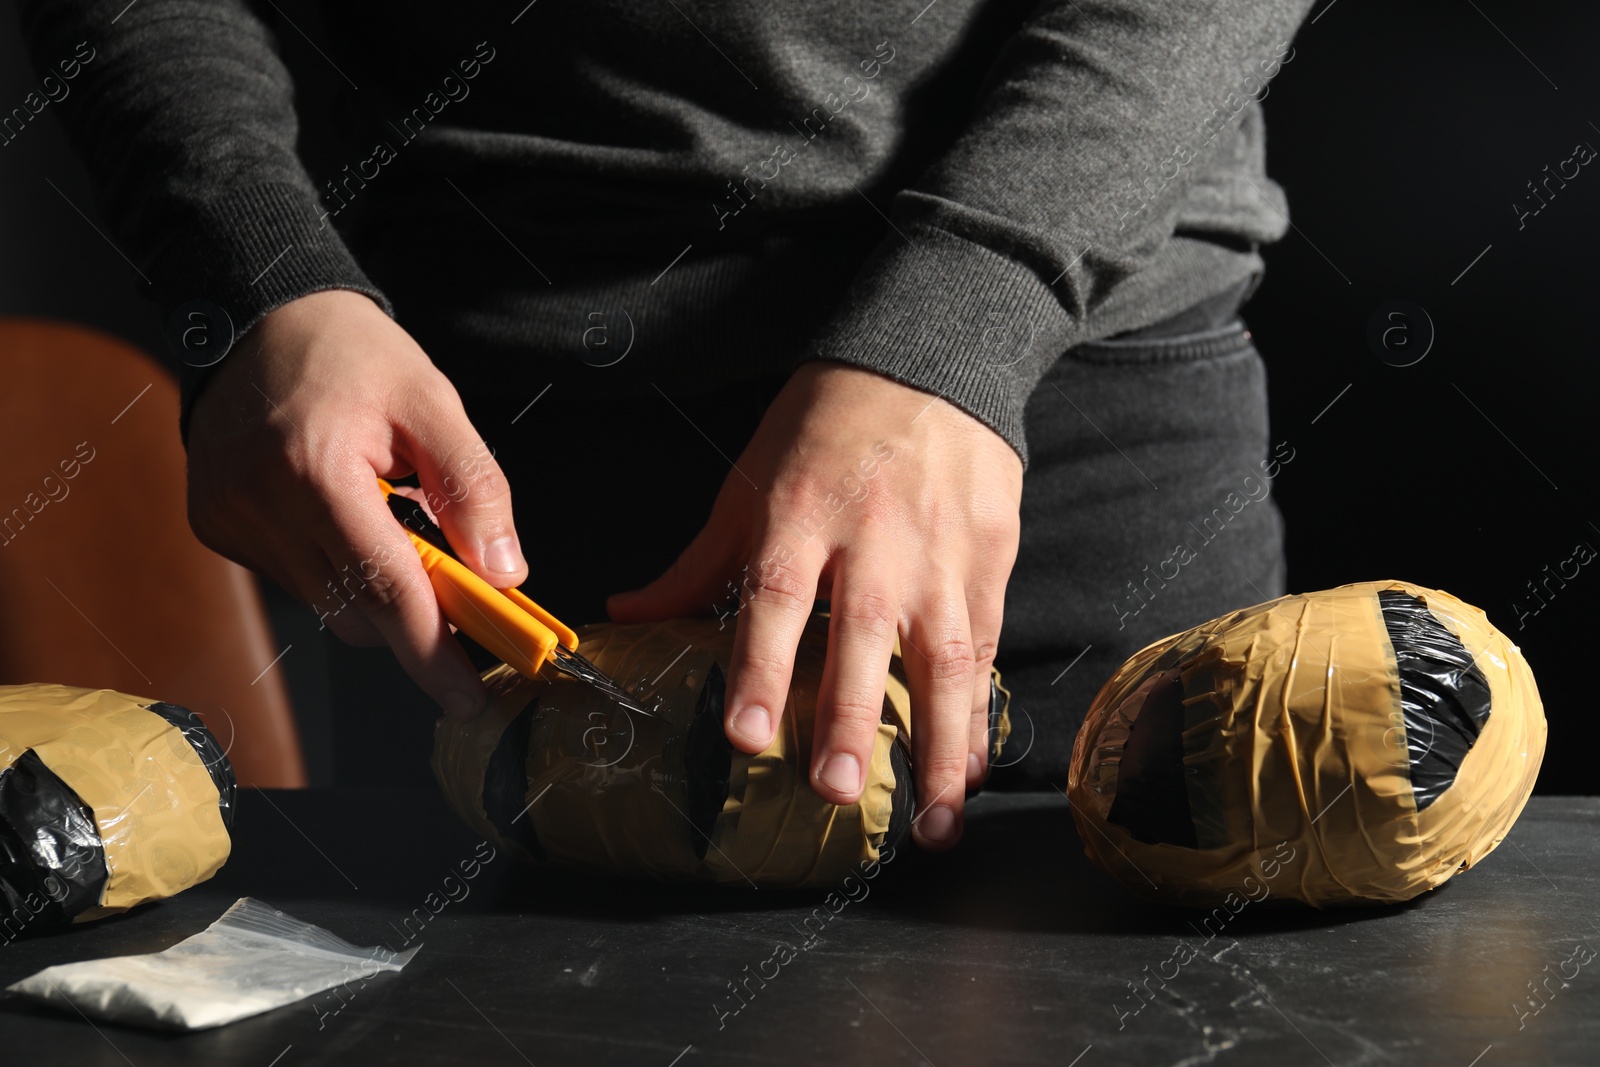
(286, 443)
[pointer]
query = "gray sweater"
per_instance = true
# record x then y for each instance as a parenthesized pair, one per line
(952, 195)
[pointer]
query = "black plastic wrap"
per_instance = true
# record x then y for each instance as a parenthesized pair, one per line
(707, 761)
(505, 784)
(1443, 694)
(54, 863)
(1152, 799)
(905, 797)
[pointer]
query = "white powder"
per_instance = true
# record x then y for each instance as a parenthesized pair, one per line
(253, 959)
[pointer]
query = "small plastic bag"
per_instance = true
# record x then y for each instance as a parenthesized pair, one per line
(253, 959)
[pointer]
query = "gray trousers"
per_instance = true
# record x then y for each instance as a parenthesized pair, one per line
(1146, 509)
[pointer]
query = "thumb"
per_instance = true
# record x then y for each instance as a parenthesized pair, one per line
(697, 583)
(468, 493)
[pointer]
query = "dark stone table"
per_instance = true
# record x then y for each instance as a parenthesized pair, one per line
(1011, 950)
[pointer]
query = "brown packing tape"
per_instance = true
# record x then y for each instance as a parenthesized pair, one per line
(606, 788)
(153, 799)
(1002, 729)
(1295, 759)
(461, 752)
(1498, 774)
(624, 812)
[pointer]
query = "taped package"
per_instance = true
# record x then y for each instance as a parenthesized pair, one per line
(107, 800)
(558, 773)
(1356, 745)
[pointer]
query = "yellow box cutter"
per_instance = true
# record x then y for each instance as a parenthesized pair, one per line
(504, 621)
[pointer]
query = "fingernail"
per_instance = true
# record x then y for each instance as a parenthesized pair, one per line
(461, 705)
(841, 772)
(938, 823)
(974, 767)
(503, 555)
(755, 724)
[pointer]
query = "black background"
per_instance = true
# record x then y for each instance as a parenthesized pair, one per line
(1403, 134)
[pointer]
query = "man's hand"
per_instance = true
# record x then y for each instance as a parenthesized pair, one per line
(902, 511)
(286, 444)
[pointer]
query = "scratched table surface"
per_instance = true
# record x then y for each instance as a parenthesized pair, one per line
(1011, 950)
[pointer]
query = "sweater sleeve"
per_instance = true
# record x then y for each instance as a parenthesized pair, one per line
(183, 113)
(1104, 128)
